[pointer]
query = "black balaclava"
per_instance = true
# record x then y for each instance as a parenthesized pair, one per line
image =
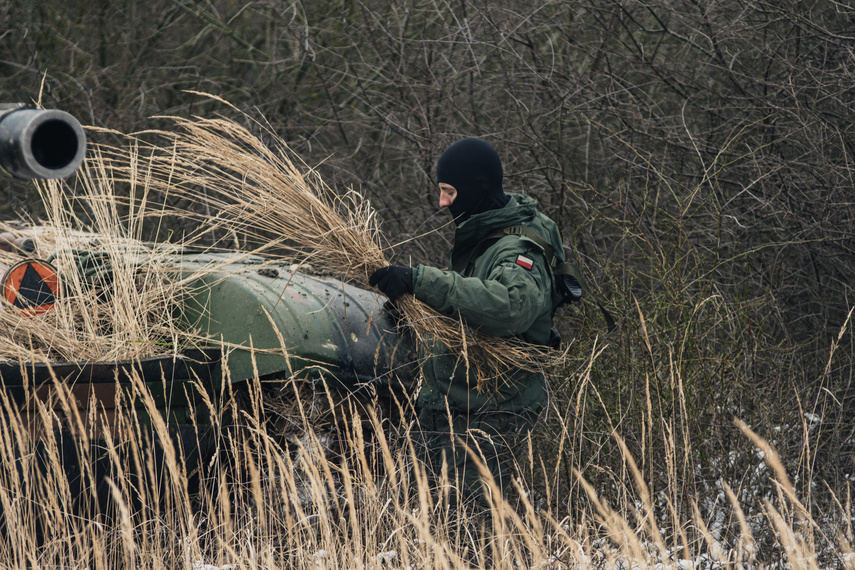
(474, 168)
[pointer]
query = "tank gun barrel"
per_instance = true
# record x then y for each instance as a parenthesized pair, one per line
(39, 143)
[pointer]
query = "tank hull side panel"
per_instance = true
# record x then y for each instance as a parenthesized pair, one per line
(286, 324)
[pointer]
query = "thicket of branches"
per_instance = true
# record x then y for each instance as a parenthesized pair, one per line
(697, 156)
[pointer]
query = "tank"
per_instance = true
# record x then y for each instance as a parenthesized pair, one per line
(265, 319)
(276, 322)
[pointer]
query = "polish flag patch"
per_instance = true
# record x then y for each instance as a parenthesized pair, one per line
(524, 261)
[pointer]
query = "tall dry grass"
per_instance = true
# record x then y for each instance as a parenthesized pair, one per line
(79, 490)
(262, 498)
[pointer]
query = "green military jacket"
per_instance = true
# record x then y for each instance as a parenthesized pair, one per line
(499, 296)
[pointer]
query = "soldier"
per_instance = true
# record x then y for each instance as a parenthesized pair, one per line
(500, 284)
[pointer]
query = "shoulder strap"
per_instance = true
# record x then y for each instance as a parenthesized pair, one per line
(461, 264)
(558, 267)
(532, 235)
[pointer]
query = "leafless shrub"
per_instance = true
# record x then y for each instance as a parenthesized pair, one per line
(698, 158)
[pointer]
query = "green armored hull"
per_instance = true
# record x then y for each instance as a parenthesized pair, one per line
(262, 320)
(275, 322)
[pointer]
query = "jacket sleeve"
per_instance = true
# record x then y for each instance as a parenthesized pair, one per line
(504, 304)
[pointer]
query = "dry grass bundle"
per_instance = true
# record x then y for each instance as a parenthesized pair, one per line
(258, 191)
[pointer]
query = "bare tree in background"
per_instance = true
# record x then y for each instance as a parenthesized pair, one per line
(698, 156)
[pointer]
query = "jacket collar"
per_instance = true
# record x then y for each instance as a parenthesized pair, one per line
(519, 210)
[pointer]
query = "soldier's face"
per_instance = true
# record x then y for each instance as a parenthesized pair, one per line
(447, 194)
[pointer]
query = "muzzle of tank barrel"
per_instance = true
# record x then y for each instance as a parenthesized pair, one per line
(39, 143)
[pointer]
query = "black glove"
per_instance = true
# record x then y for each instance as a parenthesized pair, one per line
(393, 280)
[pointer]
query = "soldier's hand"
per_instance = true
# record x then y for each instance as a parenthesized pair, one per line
(393, 280)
